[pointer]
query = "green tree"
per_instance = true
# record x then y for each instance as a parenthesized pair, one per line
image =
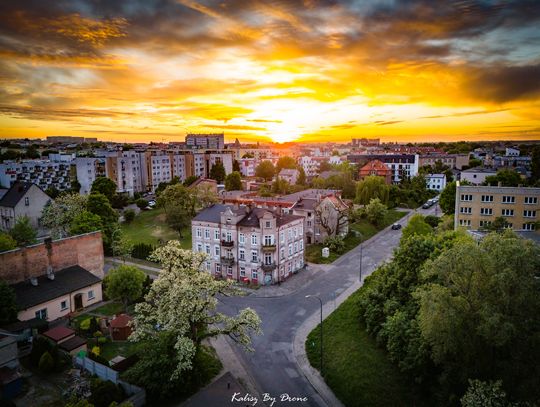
(236, 165)
(85, 222)
(8, 304)
(178, 195)
(376, 211)
(265, 170)
(58, 215)
(485, 394)
(105, 186)
(129, 215)
(141, 203)
(280, 186)
(52, 192)
(233, 181)
(507, 178)
(416, 226)
(178, 218)
(474, 162)
(372, 187)
(285, 162)
(125, 283)
(190, 180)
(99, 204)
(23, 232)
(301, 177)
(217, 172)
(46, 363)
(7, 242)
(447, 200)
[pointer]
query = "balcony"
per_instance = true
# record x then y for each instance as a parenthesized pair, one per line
(227, 261)
(227, 243)
(269, 247)
(268, 267)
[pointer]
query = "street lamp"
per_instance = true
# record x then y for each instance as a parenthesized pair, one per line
(320, 301)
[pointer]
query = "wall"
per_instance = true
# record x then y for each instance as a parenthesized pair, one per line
(32, 261)
(37, 199)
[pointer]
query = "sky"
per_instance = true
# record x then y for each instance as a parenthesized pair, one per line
(279, 70)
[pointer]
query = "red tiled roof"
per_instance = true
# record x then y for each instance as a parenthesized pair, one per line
(121, 321)
(59, 333)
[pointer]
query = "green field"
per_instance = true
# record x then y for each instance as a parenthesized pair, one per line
(150, 227)
(358, 372)
(365, 229)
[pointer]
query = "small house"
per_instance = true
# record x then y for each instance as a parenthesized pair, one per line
(66, 339)
(120, 328)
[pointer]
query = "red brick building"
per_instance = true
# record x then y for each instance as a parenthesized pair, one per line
(378, 168)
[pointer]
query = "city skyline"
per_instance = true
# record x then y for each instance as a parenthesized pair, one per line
(304, 71)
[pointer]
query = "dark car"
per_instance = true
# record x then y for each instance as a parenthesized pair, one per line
(396, 226)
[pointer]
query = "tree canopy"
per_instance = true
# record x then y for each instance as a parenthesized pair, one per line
(217, 172)
(285, 162)
(507, 178)
(265, 170)
(233, 181)
(416, 226)
(7, 242)
(125, 283)
(8, 304)
(58, 215)
(23, 232)
(372, 187)
(85, 222)
(105, 186)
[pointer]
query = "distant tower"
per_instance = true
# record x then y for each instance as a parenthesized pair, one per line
(236, 143)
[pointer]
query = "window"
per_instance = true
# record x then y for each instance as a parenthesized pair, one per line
(207, 233)
(218, 268)
(507, 212)
(254, 240)
(528, 226)
(282, 237)
(27, 201)
(242, 254)
(254, 275)
(216, 250)
(295, 233)
(228, 236)
(63, 305)
(290, 234)
(268, 224)
(268, 240)
(254, 257)
(296, 247)
(42, 313)
(290, 249)
(508, 199)
(486, 211)
(487, 198)
(216, 234)
(530, 200)
(466, 197)
(229, 270)
(91, 295)
(529, 214)
(302, 244)
(465, 209)
(242, 271)
(464, 222)
(242, 238)
(207, 248)
(199, 247)
(282, 253)
(301, 230)
(485, 223)
(309, 223)
(268, 258)
(198, 232)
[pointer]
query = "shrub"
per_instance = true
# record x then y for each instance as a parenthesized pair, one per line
(94, 326)
(105, 392)
(85, 324)
(96, 351)
(40, 345)
(335, 244)
(141, 203)
(98, 334)
(98, 358)
(46, 363)
(129, 215)
(142, 250)
(102, 340)
(432, 221)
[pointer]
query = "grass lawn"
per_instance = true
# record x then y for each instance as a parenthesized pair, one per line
(358, 372)
(109, 309)
(366, 229)
(111, 349)
(150, 227)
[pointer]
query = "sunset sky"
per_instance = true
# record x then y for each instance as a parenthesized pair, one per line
(303, 70)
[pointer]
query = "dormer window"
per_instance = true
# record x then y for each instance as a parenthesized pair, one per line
(268, 224)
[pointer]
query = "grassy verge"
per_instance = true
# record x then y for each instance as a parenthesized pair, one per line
(358, 372)
(365, 230)
(109, 309)
(150, 227)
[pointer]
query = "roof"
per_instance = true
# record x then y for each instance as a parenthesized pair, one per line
(203, 180)
(435, 176)
(309, 193)
(121, 321)
(253, 217)
(65, 281)
(480, 169)
(288, 172)
(377, 165)
(306, 203)
(18, 326)
(72, 343)
(17, 192)
(213, 213)
(59, 333)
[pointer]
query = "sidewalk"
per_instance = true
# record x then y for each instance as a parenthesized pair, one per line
(153, 271)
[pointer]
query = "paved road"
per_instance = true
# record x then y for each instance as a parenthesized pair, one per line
(273, 366)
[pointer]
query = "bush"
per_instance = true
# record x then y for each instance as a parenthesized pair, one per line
(432, 221)
(141, 203)
(105, 392)
(102, 340)
(40, 345)
(98, 334)
(46, 363)
(98, 358)
(142, 250)
(335, 244)
(129, 215)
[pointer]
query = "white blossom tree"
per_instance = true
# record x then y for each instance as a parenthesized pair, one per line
(182, 300)
(58, 215)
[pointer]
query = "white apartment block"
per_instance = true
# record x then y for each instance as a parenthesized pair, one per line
(247, 166)
(43, 173)
(88, 169)
(126, 169)
(159, 169)
(206, 141)
(249, 245)
(436, 182)
(310, 166)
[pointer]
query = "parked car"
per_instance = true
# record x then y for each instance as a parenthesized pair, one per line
(426, 205)
(151, 204)
(396, 226)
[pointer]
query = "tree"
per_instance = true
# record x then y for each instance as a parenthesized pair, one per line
(125, 283)
(178, 195)
(120, 201)
(204, 195)
(129, 215)
(7, 242)
(301, 177)
(376, 211)
(178, 218)
(99, 204)
(233, 182)
(23, 232)
(447, 200)
(265, 170)
(58, 215)
(332, 219)
(236, 165)
(85, 222)
(485, 394)
(182, 302)
(46, 363)
(190, 180)
(281, 186)
(141, 203)
(416, 226)
(52, 192)
(432, 220)
(324, 166)
(8, 304)
(474, 162)
(105, 186)
(217, 172)
(498, 224)
(372, 187)
(507, 178)
(285, 162)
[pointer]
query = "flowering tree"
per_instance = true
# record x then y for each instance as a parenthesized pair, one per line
(182, 301)
(58, 215)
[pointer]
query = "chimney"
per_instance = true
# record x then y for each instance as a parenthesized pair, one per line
(34, 281)
(50, 273)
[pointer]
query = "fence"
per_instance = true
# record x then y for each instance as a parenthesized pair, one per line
(137, 395)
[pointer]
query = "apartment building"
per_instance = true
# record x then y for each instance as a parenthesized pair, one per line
(44, 173)
(88, 170)
(478, 206)
(213, 141)
(457, 161)
(247, 166)
(158, 168)
(436, 182)
(126, 169)
(401, 165)
(248, 244)
(377, 168)
(477, 175)
(310, 165)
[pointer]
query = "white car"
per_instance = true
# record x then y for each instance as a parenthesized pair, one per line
(152, 203)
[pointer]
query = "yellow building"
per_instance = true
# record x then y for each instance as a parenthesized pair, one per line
(478, 206)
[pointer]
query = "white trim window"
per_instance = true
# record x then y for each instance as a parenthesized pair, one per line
(487, 198)
(254, 256)
(216, 234)
(466, 197)
(464, 222)
(507, 212)
(529, 214)
(486, 211)
(506, 199)
(198, 232)
(242, 271)
(531, 200)
(242, 254)
(63, 305)
(529, 226)
(254, 239)
(282, 237)
(241, 238)
(91, 295)
(207, 233)
(254, 275)
(465, 209)
(217, 251)
(199, 247)
(290, 249)
(207, 249)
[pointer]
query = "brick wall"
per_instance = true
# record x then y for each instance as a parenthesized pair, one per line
(32, 261)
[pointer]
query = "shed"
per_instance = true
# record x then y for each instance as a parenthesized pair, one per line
(59, 334)
(120, 328)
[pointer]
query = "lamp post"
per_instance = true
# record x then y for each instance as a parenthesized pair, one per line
(320, 301)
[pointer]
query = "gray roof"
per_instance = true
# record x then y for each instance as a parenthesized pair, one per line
(252, 218)
(213, 213)
(65, 282)
(308, 193)
(309, 204)
(17, 191)
(481, 169)
(288, 172)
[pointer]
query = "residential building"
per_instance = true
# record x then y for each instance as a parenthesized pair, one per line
(247, 166)
(377, 168)
(248, 244)
(22, 199)
(477, 175)
(511, 152)
(126, 169)
(44, 173)
(436, 182)
(401, 165)
(290, 175)
(479, 206)
(213, 141)
(88, 170)
(365, 142)
(71, 139)
(457, 161)
(158, 169)
(310, 165)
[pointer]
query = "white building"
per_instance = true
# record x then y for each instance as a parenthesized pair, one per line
(436, 182)
(511, 152)
(247, 166)
(206, 141)
(88, 169)
(477, 175)
(43, 173)
(22, 199)
(310, 166)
